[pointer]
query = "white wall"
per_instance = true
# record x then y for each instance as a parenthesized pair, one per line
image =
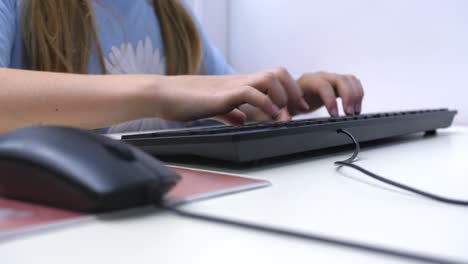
(409, 54)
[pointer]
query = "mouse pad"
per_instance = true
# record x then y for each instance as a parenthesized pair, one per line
(199, 184)
(20, 218)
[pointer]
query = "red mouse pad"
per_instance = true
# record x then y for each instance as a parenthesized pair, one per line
(20, 218)
(200, 184)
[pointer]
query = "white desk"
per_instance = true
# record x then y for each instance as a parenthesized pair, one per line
(308, 194)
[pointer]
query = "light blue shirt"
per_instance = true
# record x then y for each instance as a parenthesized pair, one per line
(130, 39)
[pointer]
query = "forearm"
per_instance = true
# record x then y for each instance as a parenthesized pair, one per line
(88, 101)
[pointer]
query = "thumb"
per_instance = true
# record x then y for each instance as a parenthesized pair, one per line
(235, 117)
(284, 115)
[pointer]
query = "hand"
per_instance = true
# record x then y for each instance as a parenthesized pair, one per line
(274, 92)
(323, 88)
(185, 98)
(317, 89)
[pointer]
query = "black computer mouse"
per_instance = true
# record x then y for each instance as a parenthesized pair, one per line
(79, 170)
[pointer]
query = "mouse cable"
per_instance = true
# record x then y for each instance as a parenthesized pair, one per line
(310, 237)
(327, 239)
(349, 163)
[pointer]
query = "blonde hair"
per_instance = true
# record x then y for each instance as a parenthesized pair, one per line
(58, 36)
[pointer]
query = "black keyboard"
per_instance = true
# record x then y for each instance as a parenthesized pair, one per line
(256, 141)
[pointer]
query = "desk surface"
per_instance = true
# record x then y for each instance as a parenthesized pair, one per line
(308, 194)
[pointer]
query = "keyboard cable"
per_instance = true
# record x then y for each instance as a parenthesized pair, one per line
(391, 252)
(349, 163)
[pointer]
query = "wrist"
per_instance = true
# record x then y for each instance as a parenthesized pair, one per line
(144, 97)
(165, 101)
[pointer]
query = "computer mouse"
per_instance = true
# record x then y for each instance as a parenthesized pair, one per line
(79, 170)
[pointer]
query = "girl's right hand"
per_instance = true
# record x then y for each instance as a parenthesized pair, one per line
(186, 98)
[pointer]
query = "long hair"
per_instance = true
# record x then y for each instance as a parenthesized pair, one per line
(58, 36)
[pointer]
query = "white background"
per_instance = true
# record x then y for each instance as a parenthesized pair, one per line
(408, 54)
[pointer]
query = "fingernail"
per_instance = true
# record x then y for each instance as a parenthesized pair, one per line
(275, 111)
(304, 105)
(334, 112)
(358, 108)
(350, 110)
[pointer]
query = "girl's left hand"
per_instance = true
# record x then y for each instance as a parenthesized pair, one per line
(323, 88)
(318, 89)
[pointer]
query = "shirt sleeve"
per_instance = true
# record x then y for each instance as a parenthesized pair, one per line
(213, 61)
(7, 30)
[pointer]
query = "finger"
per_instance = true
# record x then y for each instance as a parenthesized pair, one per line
(319, 92)
(235, 117)
(254, 114)
(344, 89)
(296, 102)
(354, 99)
(284, 115)
(328, 96)
(268, 83)
(254, 97)
(359, 91)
